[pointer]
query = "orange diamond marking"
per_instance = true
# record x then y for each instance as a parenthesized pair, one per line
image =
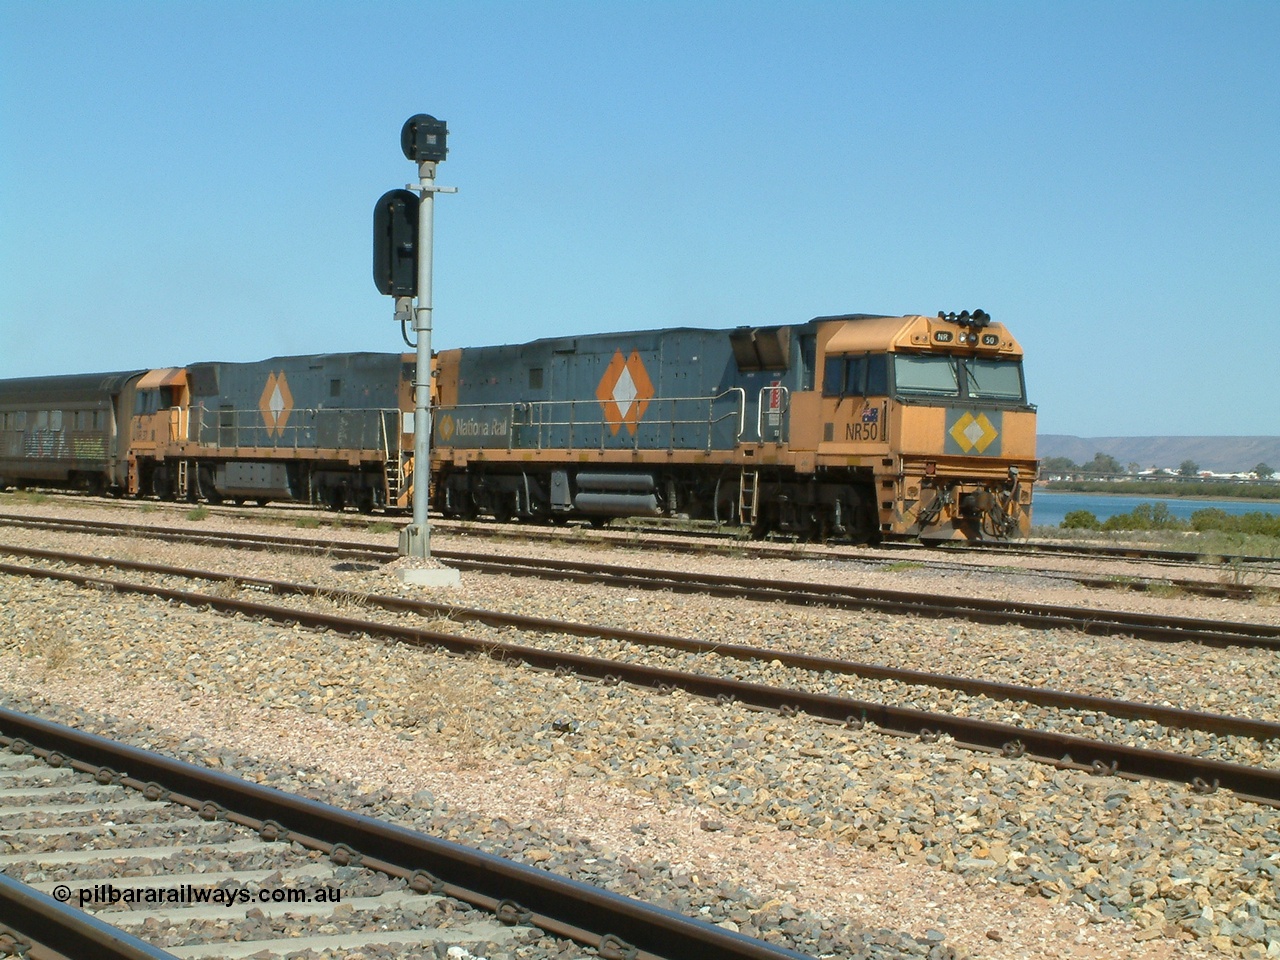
(276, 403)
(625, 391)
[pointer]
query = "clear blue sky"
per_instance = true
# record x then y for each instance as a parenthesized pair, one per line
(184, 181)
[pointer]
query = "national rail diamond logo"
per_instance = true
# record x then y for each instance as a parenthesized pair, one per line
(276, 403)
(625, 391)
(974, 433)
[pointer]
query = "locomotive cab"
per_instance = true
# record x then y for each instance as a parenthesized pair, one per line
(160, 418)
(931, 414)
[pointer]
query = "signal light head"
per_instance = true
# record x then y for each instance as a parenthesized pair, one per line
(422, 138)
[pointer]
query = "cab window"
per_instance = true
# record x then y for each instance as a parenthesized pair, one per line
(877, 375)
(993, 379)
(866, 375)
(833, 377)
(932, 376)
(148, 401)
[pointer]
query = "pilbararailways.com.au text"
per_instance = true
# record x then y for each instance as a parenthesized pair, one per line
(102, 894)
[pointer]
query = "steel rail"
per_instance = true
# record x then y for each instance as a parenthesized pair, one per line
(801, 593)
(1215, 723)
(1058, 749)
(615, 925)
(1116, 552)
(675, 541)
(249, 541)
(44, 928)
(768, 548)
(1092, 621)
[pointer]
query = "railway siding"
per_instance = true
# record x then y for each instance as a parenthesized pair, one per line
(1101, 844)
(1202, 735)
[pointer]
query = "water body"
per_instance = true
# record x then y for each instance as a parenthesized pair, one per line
(1048, 508)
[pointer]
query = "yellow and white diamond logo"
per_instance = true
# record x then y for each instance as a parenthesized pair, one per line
(974, 433)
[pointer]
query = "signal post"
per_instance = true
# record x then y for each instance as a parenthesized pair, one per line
(402, 242)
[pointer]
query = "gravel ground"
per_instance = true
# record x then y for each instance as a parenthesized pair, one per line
(834, 841)
(1090, 724)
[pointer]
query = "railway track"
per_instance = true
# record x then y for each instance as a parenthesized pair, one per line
(709, 540)
(976, 609)
(89, 819)
(1217, 724)
(1058, 749)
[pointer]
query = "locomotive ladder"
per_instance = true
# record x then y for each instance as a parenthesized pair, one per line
(749, 497)
(391, 470)
(183, 480)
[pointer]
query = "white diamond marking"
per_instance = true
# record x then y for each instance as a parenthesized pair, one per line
(624, 392)
(974, 432)
(277, 402)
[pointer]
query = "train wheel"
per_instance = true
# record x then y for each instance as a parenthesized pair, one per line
(204, 481)
(160, 485)
(822, 527)
(364, 500)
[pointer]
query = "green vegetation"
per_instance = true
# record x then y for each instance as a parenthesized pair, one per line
(899, 565)
(307, 523)
(199, 513)
(1252, 524)
(1217, 535)
(1105, 474)
(27, 496)
(381, 526)
(1147, 516)
(1210, 489)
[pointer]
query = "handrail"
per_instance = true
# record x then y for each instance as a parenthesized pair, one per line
(784, 405)
(532, 414)
(247, 427)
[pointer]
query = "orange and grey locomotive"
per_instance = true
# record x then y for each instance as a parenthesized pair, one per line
(854, 427)
(320, 429)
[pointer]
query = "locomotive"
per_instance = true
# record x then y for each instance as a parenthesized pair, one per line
(322, 429)
(855, 428)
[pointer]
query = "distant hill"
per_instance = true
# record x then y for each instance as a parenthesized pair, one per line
(1219, 454)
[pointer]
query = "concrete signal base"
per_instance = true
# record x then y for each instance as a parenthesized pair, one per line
(429, 576)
